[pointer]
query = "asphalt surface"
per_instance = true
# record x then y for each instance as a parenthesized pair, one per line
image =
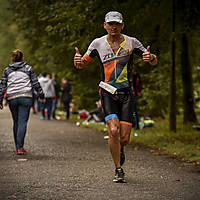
(66, 162)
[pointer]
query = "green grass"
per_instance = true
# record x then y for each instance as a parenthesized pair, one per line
(185, 143)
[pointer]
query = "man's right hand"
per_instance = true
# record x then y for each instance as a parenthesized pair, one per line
(78, 59)
(1, 106)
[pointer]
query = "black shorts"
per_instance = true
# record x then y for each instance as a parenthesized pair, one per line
(119, 106)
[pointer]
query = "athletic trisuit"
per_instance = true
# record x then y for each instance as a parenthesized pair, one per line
(116, 69)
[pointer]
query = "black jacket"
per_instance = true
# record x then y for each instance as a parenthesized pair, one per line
(66, 96)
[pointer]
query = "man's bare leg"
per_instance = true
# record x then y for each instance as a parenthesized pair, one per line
(125, 131)
(114, 140)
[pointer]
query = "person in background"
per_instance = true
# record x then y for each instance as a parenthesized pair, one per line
(36, 102)
(97, 113)
(136, 86)
(49, 93)
(18, 79)
(33, 104)
(66, 96)
(56, 98)
(115, 52)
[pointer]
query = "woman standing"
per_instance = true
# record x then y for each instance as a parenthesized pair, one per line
(19, 79)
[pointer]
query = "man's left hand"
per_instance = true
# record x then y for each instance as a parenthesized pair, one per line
(147, 56)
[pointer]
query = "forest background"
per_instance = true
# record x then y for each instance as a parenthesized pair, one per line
(47, 32)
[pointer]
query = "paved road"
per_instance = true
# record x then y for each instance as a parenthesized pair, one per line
(66, 162)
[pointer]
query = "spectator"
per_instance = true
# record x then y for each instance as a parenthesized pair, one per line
(136, 86)
(19, 79)
(66, 96)
(36, 101)
(56, 98)
(97, 113)
(49, 93)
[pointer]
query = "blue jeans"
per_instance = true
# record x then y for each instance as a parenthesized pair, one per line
(54, 107)
(47, 105)
(20, 110)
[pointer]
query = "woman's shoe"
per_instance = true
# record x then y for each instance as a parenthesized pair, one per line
(24, 151)
(20, 151)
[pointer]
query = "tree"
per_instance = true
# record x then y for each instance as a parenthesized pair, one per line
(7, 38)
(50, 29)
(188, 15)
(188, 100)
(172, 110)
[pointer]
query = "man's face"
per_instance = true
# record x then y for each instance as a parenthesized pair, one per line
(113, 28)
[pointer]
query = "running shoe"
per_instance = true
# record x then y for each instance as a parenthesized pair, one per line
(119, 176)
(122, 156)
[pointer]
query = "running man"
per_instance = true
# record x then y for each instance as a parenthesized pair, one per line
(115, 52)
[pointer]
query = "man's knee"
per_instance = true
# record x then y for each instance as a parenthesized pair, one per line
(114, 131)
(114, 128)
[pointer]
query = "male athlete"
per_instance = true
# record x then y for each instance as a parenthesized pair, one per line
(115, 52)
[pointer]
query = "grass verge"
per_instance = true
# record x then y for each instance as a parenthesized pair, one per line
(184, 143)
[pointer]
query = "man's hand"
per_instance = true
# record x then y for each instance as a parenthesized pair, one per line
(148, 57)
(78, 59)
(1, 106)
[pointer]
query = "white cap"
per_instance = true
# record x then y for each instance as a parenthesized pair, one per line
(114, 16)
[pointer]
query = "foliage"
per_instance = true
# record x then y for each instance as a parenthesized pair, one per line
(47, 31)
(7, 37)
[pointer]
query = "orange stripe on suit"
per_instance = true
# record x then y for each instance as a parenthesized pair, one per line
(108, 69)
(127, 123)
(87, 58)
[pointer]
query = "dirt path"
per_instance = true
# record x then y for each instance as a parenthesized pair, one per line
(66, 162)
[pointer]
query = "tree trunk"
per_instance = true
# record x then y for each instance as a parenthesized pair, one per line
(172, 100)
(188, 101)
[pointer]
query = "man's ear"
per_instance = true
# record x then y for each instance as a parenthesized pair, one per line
(104, 25)
(122, 25)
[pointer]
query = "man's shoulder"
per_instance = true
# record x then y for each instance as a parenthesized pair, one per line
(99, 39)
